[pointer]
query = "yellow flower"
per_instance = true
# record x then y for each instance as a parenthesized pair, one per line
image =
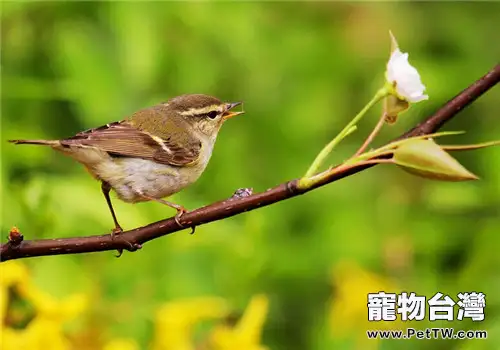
(40, 334)
(50, 308)
(247, 333)
(12, 274)
(175, 321)
(349, 310)
(44, 331)
(121, 344)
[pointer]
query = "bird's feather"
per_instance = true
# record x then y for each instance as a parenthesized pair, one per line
(123, 139)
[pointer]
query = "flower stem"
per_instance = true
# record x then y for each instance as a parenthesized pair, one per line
(320, 158)
(372, 135)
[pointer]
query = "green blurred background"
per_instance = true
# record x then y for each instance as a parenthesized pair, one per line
(303, 70)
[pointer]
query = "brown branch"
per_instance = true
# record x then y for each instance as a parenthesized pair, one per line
(133, 239)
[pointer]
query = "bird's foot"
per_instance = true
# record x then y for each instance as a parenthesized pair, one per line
(116, 231)
(132, 247)
(180, 211)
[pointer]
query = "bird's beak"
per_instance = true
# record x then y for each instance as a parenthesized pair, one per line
(228, 114)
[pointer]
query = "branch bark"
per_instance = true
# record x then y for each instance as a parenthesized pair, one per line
(133, 239)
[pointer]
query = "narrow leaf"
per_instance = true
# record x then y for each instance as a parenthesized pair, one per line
(469, 147)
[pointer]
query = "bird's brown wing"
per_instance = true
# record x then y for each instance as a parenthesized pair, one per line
(122, 139)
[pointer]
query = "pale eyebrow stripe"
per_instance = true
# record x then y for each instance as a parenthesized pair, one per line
(194, 111)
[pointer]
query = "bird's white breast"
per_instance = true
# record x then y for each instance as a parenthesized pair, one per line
(130, 177)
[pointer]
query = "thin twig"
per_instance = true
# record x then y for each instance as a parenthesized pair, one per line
(133, 239)
(372, 135)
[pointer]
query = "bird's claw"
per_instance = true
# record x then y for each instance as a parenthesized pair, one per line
(116, 231)
(132, 247)
(180, 212)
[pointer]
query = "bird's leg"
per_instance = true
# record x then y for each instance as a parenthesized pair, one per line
(106, 187)
(180, 209)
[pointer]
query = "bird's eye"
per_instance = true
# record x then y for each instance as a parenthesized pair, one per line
(212, 115)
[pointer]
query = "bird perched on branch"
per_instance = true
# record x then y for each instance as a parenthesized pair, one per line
(153, 154)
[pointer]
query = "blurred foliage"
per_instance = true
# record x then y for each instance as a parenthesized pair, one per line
(303, 70)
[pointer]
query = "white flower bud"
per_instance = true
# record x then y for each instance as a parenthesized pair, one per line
(403, 77)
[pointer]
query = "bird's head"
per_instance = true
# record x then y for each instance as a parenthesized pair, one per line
(203, 112)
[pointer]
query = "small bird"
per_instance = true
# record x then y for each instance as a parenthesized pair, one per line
(153, 154)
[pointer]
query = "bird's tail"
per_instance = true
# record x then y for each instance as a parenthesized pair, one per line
(35, 142)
